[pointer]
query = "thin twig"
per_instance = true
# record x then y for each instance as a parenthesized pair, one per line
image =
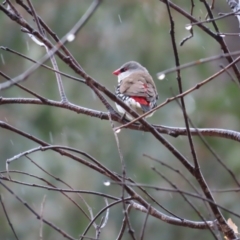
(144, 225)
(35, 17)
(42, 65)
(8, 219)
(41, 217)
(199, 61)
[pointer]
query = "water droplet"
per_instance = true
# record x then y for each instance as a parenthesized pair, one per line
(222, 35)
(107, 183)
(188, 27)
(161, 76)
(70, 37)
(118, 131)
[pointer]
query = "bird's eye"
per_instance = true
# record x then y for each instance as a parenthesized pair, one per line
(124, 69)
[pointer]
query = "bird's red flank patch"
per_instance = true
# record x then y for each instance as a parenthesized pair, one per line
(141, 100)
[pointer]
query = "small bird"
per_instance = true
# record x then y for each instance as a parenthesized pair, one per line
(135, 88)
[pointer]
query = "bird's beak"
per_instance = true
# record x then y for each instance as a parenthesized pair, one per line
(116, 72)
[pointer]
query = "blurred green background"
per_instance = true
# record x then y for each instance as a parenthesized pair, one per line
(118, 32)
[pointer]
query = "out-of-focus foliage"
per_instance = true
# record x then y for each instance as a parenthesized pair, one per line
(119, 31)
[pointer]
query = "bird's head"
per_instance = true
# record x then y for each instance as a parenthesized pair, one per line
(128, 68)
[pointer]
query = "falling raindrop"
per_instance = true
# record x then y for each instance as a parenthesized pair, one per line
(11, 141)
(120, 19)
(2, 58)
(27, 43)
(23, 190)
(70, 37)
(94, 95)
(51, 137)
(107, 183)
(188, 27)
(118, 131)
(161, 76)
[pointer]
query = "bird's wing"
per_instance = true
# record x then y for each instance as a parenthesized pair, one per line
(139, 84)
